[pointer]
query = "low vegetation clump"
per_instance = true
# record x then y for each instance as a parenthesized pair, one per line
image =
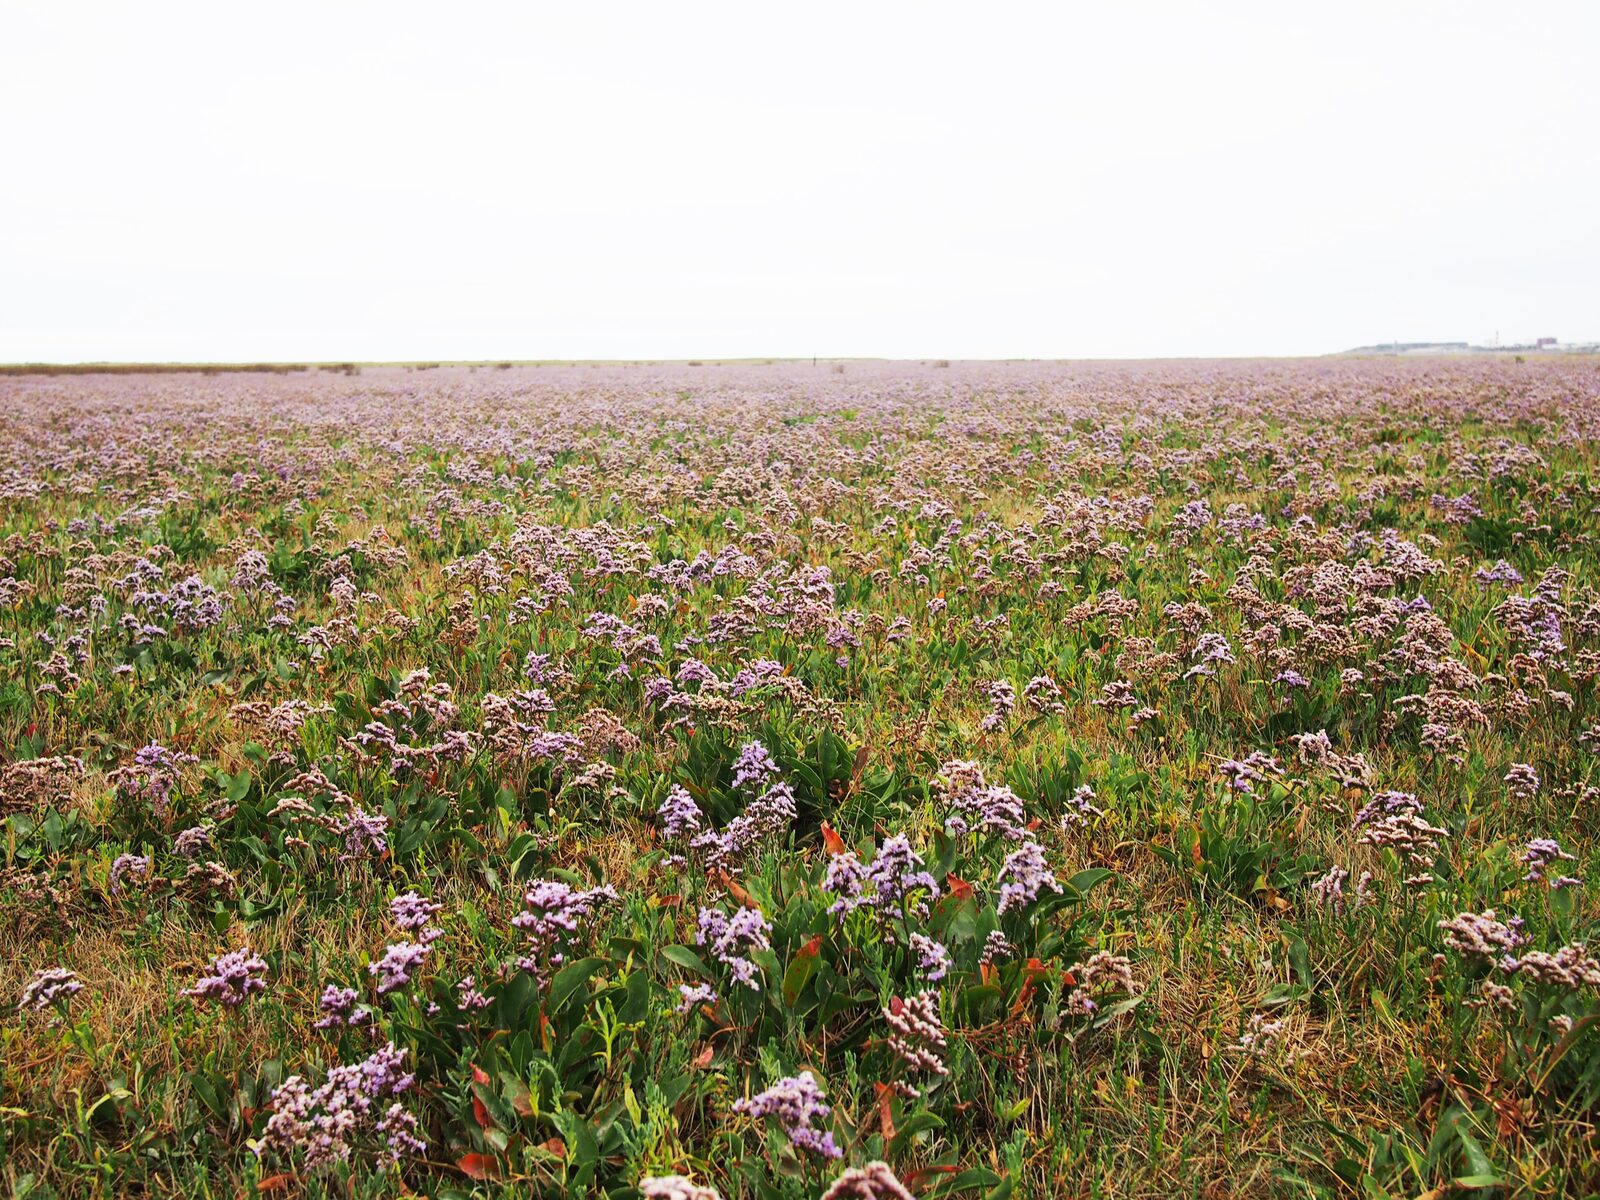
(786, 782)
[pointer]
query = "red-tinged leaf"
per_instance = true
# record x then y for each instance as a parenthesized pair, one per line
(886, 1096)
(522, 1101)
(917, 1176)
(896, 1005)
(555, 1146)
(275, 1183)
(479, 1075)
(481, 1114)
(703, 1060)
(477, 1166)
(1035, 968)
(1024, 995)
(832, 842)
(959, 887)
(737, 890)
(812, 948)
(988, 972)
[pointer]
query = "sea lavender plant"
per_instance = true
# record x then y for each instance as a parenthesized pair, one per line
(674, 1187)
(795, 1102)
(554, 916)
(321, 1126)
(875, 1181)
(730, 940)
(916, 1034)
(232, 979)
(50, 987)
(1023, 876)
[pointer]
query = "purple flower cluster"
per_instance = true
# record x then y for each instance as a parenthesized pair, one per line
(153, 775)
(692, 996)
(129, 866)
(340, 1009)
(49, 987)
(412, 912)
(731, 939)
(754, 769)
(680, 815)
(1522, 782)
(795, 1102)
(674, 1187)
(875, 1181)
(1541, 852)
(933, 959)
(1023, 876)
(554, 916)
(916, 1034)
(398, 963)
(765, 818)
(894, 886)
(978, 807)
(1329, 890)
(322, 1125)
(233, 978)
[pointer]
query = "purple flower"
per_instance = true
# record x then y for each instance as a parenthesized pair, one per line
(399, 963)
(322, 1124)
(470, 997)
(996, 946)
(795, 1102)
(340, 1010)
(1080, 808)
(891, 886)
(366, 835)
(1023, 875)
(754, 768)
(731, 939)
(1541, 852)
(191, 841)
(680, 815)
(129, 866)
(553, 917)
(978, 807)
(233, 978)
(49, 987)
(1522, 781)
(875, 1181)
(1484, 935)
(915, 1032)
(692, 997)
(764, 818)
(933, 959)
(411, 911)
(674, 1187)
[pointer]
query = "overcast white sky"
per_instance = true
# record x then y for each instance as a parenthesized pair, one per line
(323, 180)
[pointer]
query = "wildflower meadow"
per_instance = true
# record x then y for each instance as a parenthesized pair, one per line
(796, 780)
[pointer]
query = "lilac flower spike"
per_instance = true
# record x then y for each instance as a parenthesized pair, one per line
(234, 977)
(795, 1102)
(49, 987)
(875, 1181)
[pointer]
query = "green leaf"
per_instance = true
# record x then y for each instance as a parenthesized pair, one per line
(801, 968)
(917, 1122)
(687, 959)
(570, 978)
